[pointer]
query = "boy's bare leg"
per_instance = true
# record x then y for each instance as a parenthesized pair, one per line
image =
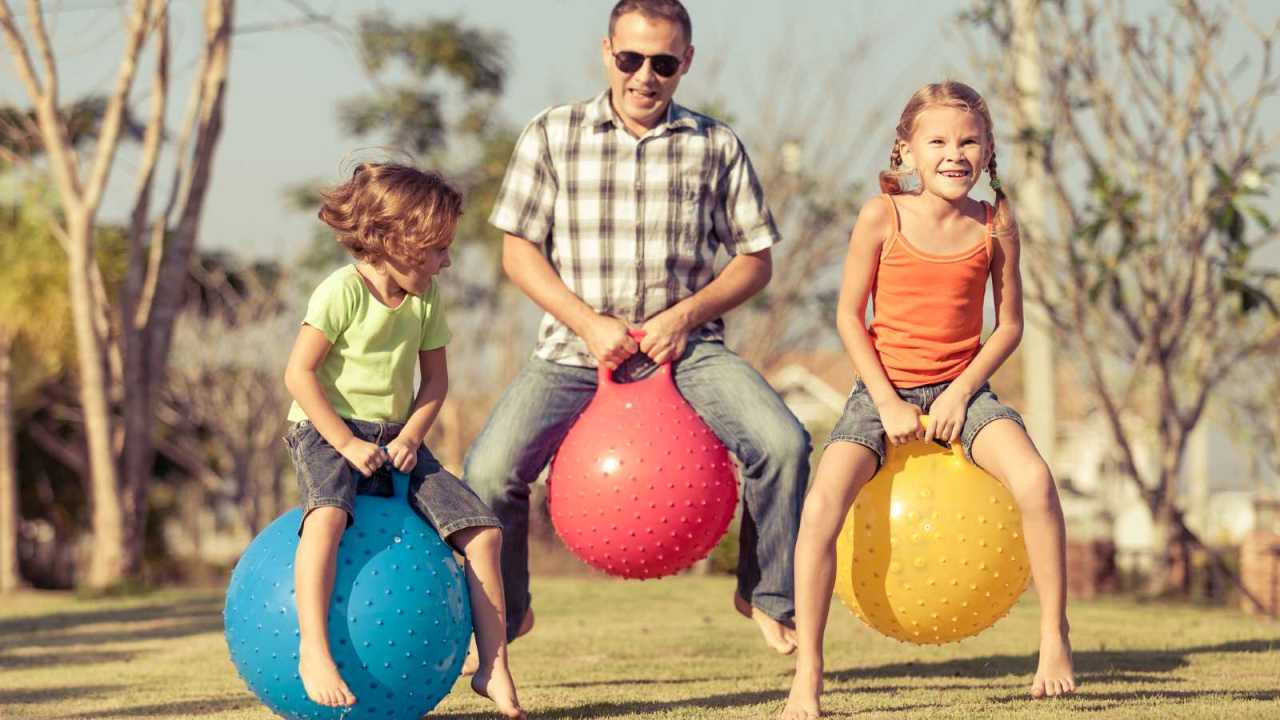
(844, 468)
(482, 547)
(1004, 449)
(472, 663)
(313, 574)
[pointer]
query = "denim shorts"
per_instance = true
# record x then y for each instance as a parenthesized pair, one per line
(860, 422)
(325, 479)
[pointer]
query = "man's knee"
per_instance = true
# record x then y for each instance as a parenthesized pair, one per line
(487, 473)
(785, 441)
(493, 470)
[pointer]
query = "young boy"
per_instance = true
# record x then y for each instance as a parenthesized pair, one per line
(351, 375)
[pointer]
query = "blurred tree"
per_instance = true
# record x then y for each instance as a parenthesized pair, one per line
(799, 143)
(35, 345)
(20, 130)
(1158, 167)
(223, 409)
(123, 347)
(436, 86)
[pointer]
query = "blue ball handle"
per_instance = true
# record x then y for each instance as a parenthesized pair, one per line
(399, 480)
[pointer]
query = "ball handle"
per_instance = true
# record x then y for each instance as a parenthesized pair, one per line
(924, 423)
(604, 376)
(399, 480)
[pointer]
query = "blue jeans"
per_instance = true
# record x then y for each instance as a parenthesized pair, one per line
(534, 414)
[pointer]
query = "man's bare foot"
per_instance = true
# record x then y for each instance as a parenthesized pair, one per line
(321, 680)
(496, 684)
(806, 689)
(779, 636)
(1055, 674)
(472, 663)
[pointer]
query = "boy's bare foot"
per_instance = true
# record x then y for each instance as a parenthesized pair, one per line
(321, 680)
(1055, 674)
(472, 663)
(779, 636)
(806, 689)
(496, 684)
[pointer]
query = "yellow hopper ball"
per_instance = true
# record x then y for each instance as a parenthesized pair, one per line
(932, 549)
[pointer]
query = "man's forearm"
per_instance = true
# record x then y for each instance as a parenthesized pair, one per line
(743, 277)
(529, 269)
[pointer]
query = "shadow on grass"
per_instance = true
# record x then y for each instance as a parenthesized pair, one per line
(189, 708)
(725, 701)
(1143, 666)
(31, 696)
(170, 620)
(196, 626)
(637, 707)
(61, 659)
(202, 606)
(634, 681)
(1084, 700)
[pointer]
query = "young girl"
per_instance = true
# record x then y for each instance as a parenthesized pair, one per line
(924, 258)
(351, 374)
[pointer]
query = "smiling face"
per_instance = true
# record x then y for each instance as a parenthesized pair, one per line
(949, 148)
(641, 97)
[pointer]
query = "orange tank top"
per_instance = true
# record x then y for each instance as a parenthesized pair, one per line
(927, 309)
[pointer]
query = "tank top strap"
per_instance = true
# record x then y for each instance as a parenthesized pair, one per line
(893, 236)
(991, 230)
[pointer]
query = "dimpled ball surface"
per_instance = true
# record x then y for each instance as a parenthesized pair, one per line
(932, 549)
(641, 487)
(399, 619)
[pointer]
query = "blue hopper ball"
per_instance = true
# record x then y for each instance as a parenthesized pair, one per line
(399, 617)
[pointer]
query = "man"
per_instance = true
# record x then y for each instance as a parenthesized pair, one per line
(613, 210)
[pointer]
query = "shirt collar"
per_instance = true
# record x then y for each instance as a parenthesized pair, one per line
(600, 112)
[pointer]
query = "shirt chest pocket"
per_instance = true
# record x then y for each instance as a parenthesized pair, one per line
(690, 218)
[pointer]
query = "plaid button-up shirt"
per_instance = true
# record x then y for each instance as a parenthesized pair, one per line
(632, 225)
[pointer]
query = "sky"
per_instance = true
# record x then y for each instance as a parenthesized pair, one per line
(285, 83)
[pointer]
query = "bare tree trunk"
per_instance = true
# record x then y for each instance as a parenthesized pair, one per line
(10, 577)
(147, 355)
(107, 555)
(1165, 535)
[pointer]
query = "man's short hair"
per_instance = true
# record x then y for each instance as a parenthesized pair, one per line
(670, 10)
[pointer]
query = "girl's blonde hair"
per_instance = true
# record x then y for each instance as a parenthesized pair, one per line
(388, 210)
(954, 94)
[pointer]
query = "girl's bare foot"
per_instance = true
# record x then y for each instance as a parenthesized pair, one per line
(496, 684)
(321, 680)
(1055, 674)
(806, 689)
(472, 663)
(779, 636)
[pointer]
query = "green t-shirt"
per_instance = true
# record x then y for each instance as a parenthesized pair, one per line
(368, 374)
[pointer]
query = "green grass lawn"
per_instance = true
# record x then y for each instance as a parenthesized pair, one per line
(667, 649)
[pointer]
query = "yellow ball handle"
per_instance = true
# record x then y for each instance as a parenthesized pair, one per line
(925, 420)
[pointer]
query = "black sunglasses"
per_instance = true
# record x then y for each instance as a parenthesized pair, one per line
(629, 61)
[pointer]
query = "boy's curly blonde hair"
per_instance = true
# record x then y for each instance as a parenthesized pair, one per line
(388, 210)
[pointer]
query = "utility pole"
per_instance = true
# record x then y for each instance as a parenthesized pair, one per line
(1038, 377)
